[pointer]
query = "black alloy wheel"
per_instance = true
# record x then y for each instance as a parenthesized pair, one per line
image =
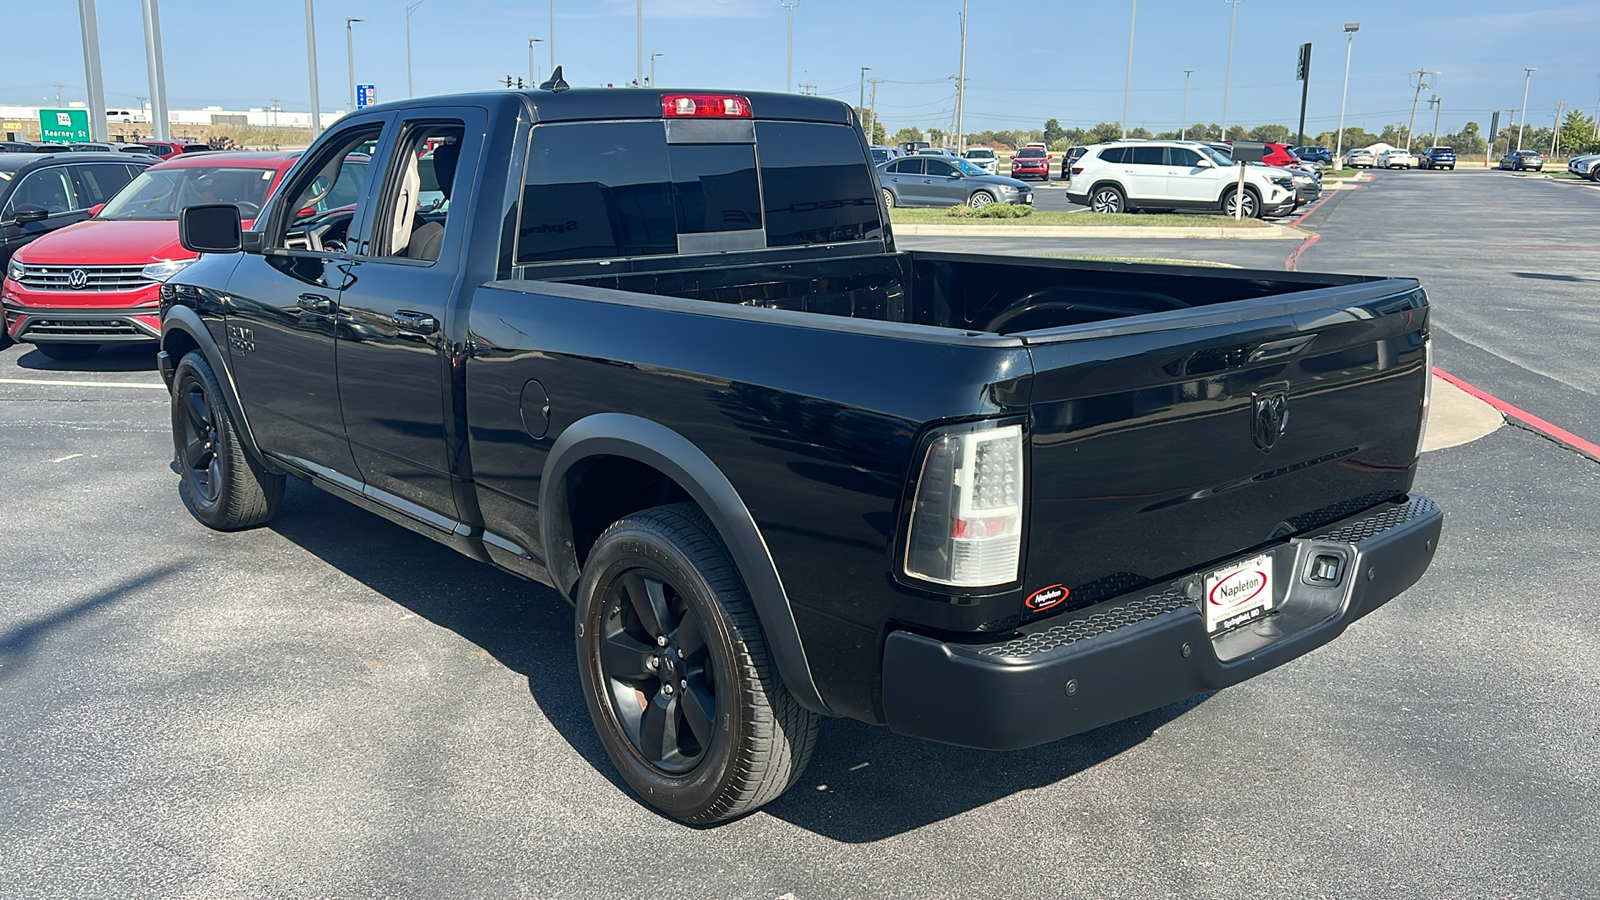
(220, 484)
(677, 674)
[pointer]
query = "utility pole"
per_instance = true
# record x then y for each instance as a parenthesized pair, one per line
(1437, 105)
(1305, 87)
(788, 77)
(158, 72)
(350, 56)
(1183, 126)
(91, 70)
(1350, 29)
(1555, 131)
(274, 109)
(874, 107)
(961, 82)
(808, 89)
(311, 60)
(1227, 80)
(413, 8)
(1127, 80)
(1527, 75)
(1422, 83)
(59, 86)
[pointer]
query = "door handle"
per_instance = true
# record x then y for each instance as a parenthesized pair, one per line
(419, 323)
(316, 303)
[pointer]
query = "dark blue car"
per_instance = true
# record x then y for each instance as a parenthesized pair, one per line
(1437, 158)
(1315, 155)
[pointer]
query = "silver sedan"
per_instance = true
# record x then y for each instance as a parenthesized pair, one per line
(936, 181)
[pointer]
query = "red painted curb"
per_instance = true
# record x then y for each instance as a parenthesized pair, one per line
(1293, 262)
(1529, 420)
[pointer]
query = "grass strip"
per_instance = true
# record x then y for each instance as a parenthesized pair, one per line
(1075, 220)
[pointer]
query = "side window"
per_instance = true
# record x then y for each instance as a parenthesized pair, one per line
(49, 190)
(1182, 157)
(909, 167)
(939, 168)
(816, 186)
(595, 191)
(415, 204)
(310, 220)
(1147, 156)
(1114, 155)
(100, 183)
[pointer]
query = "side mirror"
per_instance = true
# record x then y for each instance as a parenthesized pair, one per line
(95, 209)
(1206, 163)
(25, 216)
(210, 228)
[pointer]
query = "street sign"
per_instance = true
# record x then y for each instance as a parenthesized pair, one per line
(366, 95)
(1303, 68)
(64, 126)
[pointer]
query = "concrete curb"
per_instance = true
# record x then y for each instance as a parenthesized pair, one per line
(1267, 233)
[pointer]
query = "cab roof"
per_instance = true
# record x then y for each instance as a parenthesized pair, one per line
(581, 104)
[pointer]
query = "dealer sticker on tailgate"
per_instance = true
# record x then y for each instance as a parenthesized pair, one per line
(1238, 593)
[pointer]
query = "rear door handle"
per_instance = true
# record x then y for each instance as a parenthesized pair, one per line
(419, 323)
(316, 303)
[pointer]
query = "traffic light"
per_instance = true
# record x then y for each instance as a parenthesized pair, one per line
(519, 84)
(508, 81)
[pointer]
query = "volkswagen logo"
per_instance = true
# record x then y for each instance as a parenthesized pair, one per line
(77, 279)
(1271, 418)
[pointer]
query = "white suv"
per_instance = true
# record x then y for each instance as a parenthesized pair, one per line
(1127, 175)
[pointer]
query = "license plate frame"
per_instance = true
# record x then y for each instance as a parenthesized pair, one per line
(1238, 593)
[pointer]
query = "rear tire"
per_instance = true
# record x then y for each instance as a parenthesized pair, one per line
(221, 484)
(678, 678)
(67, 352)
(888, 198)
(1107, 199)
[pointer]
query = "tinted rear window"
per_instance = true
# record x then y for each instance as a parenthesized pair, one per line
(1116, 155)
(816, 186)
(595, 190)
(714, 187)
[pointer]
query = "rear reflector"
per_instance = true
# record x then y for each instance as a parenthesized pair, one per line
(722, 106)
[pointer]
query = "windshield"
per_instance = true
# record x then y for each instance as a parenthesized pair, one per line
(968, 168)
(980, 154)
(1216, 156)
(162, 193)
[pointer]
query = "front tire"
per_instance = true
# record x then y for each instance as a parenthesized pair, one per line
(67, 352)
(980, 199)
(1107, 199)
(680, 684)
(220, 483)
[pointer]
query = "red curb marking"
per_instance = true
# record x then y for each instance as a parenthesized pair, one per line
(1527, 419)
(1292, 264)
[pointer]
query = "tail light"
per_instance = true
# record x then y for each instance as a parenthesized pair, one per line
(966, 513)
(1077, 170)
(1427, 390)
(721, 106)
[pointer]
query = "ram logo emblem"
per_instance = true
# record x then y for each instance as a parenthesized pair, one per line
(1271, 416)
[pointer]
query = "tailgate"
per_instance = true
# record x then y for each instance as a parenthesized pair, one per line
(1166, 443)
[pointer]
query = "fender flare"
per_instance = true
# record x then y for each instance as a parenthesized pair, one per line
(657, 446)
(186, 320)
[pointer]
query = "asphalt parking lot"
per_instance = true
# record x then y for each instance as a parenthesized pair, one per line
(333, 706)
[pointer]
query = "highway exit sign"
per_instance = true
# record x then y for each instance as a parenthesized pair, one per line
(64, 126)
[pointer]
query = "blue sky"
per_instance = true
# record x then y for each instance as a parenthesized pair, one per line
(1027, 60)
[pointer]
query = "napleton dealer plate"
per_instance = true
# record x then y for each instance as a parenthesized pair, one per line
(1238, 593)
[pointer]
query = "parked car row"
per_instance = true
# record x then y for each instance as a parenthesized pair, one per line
(88, 239)
(163, 149)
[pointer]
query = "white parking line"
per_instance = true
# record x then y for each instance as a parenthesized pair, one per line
(108, 384)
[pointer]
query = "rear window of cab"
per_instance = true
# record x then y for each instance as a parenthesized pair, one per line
(599, 190)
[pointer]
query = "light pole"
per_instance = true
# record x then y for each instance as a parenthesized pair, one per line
(1350, 29)
(311, 61)
(961, 82)
(860, 104)
(1227, 79)
(1183, 126)
(1127, 81)
(552, 38)
(788, 76)
(409, 10)
(639, 78)
(1527, 75)
(160, 128)
(653, 67)
(91, 67)
(533, 82)
(350, 55)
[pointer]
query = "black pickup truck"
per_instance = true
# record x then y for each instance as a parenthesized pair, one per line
(659, 352)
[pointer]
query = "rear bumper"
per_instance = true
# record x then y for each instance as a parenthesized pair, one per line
(1139, 652)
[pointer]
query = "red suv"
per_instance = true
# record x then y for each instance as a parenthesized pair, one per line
(97, 282)
(1277, 155)
(1031, 162)
(169, 149)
